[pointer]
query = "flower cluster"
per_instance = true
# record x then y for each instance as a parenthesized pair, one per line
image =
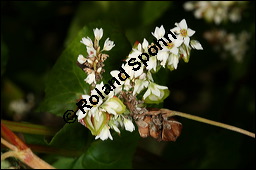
(107, 113)
(120, 105)
(94, 60)
(216, 11)
(229, 43)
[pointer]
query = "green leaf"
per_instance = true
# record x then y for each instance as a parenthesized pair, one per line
(73, 137)
(151, 11)
(65, 83)
(109, 154)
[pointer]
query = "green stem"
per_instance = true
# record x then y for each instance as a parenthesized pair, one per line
(207, 121)
(30, 128)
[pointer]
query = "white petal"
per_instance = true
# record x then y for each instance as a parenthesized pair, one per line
(115, 128)
(81, 59)
(108, 45)
(175, 61)
(159, 32)
(152, 63)
(80, 115)
(196, 45)
(190, 32)
(148, 92)
(128, 125)
(145, 45)
(104, 134)
(183, 24)
(156, 91)
(98, 33)
(114, 73)
(162, 55)
(174, 50)
(186, 41)
(160, 87)
(90, 78)
(177, 42)
(175, 30)
(87, 41)
(91, 51)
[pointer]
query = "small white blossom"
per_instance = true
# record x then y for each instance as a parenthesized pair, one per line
(128, 125)
(81, 59)
(104, 133)
(87, 41)
(173, 61)
(155, 93)
(168, 51)
(114, 126)
(91, 51)
(184, 33)
(185, 52)
(113, 106)
(159, 32)
(196, 45)
(91, 78)
(139, 85)
(108, 45)
(98, 33)
(152, 63)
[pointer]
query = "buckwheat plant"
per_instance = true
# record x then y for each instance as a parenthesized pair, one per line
(118, 105)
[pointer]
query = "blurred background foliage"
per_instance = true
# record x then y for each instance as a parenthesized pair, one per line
(33, 36)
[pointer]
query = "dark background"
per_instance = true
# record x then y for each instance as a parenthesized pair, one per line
(34, 34)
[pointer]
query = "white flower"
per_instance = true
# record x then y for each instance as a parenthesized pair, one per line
(163, 57)
(87, 41)
(113, 125)
(155, 93)
(113, 106)
(145, 45)
(80, 114)
(91, 78)
(171, 48)
(183, 31)
(128, 69)
(91, 51)
(108, 45)
(139, 85)
(185, 52)
(98, 33)
(173, 61)
(81, 59)
(152, 63)
(159, 32)
(128, 125)
(104, 133)
(196, 45)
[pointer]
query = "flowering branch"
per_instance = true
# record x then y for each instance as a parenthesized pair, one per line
(116, 104)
